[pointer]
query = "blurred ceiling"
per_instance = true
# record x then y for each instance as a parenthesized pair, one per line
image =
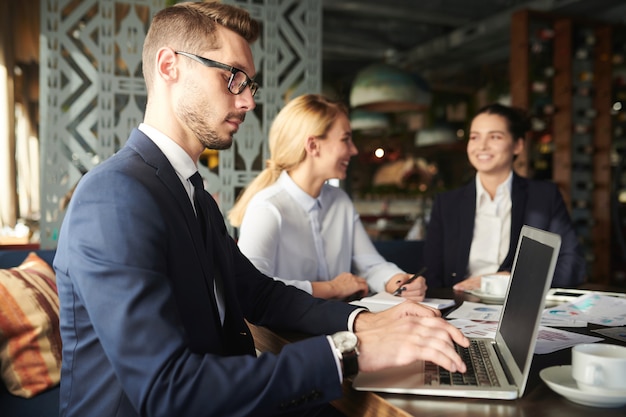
(454, 44)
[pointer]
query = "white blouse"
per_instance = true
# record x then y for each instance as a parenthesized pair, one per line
(295, 238)
(492, 228)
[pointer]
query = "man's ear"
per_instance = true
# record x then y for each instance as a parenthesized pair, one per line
(166, 64)
(311, 146)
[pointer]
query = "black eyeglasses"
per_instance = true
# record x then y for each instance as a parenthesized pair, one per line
(238, 79)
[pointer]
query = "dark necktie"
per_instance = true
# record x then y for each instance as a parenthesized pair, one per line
(202, 205)
(198, 195)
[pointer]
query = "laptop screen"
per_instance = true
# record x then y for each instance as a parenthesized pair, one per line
(525, 298)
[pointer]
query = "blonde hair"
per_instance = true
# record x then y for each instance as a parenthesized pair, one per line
(304, 116)
(189, 26)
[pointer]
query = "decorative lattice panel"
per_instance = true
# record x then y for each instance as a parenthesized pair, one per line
(93, 92)
(288, 60)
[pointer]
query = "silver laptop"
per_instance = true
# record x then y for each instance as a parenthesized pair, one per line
(510, 353)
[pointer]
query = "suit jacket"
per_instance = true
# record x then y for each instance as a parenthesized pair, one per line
(139, 322)
(534, 203)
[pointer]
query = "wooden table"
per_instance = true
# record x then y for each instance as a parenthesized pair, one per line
(538, 400)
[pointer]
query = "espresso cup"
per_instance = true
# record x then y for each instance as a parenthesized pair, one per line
(495, 285)
(599, 368)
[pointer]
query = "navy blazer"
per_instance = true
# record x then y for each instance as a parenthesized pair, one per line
(139, 322)
(534, 203)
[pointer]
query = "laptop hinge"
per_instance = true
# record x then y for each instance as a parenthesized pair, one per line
(505, 366)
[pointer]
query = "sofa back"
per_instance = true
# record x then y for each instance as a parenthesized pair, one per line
(11, 258)
(407, 254)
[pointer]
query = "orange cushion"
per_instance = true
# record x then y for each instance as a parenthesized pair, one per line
(30, 341)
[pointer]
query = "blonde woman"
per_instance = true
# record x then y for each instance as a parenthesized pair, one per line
(297, 228)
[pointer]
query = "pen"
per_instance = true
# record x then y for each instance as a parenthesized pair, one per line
(413, 278)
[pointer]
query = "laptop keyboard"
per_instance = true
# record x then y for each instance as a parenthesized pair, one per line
(480, 371)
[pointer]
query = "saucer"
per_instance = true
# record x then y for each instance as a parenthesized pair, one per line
(559, 379)
(487, 298)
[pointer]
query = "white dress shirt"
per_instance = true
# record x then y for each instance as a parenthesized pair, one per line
(492, 228)
(280, 237)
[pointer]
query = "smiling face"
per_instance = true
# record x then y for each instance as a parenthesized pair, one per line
(336, 149)
(491, 147)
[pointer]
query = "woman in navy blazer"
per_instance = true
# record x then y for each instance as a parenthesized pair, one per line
(466, 240)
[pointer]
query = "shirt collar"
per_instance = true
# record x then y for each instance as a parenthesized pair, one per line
(503, 190)
(184, 166)
(303, 199)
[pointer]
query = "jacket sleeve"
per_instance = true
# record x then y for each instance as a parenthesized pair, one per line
(570, 269)
(546, 210)
(434, 246)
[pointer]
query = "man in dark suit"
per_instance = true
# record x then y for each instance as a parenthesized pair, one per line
(456, 233)
(154, 293)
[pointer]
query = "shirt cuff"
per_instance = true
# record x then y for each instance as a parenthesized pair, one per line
(352, 317)
(337, 358)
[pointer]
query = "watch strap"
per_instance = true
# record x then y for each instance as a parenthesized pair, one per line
(350, 363)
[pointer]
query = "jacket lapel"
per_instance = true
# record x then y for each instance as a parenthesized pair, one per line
(519, 196)
(237, 338)
(153, 156)
(466, 219)
(166, 174)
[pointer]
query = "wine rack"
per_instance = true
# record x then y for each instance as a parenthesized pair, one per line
(618, 157)
(562, 71)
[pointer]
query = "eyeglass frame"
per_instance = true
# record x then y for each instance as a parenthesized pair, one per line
(253, 85)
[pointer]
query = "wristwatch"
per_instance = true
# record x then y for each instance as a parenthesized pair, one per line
(346, 345)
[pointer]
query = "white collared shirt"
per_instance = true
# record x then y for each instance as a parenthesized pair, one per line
(492, 228)
(280, 239)
(184, 166)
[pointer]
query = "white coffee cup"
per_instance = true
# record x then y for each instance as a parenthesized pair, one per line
(599, 368)
(495, 285)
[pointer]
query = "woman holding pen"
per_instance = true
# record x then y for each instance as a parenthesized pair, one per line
(295, 225)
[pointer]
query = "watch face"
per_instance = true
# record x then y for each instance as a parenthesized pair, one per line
(345, 341)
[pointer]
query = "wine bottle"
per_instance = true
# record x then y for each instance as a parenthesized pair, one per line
(545, 33)
(581, 204)
(583, 91)
(549, 72)
(537, 124)
(586, 149)
(582, 54)
(584, 185)
(549, 109)
(539, 87)
(587, 113)
(582, 129)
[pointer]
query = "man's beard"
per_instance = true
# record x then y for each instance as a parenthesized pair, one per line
(211, 140)
(203, 132)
